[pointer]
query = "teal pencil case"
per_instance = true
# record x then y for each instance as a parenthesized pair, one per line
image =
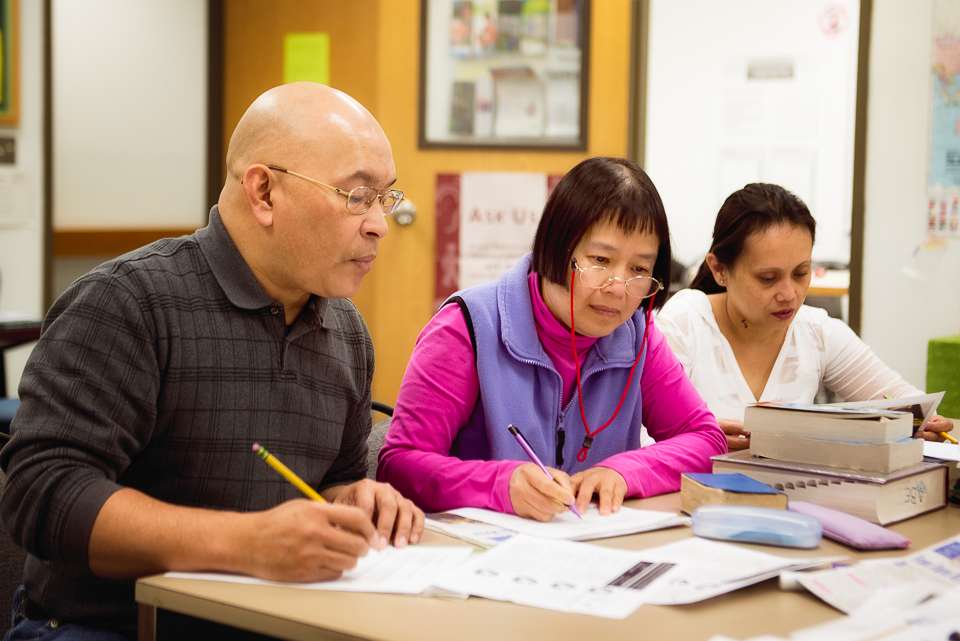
(768, 526)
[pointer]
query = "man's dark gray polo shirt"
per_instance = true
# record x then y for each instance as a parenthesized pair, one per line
(158, 371)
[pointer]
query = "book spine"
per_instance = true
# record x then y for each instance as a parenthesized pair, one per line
(878, 503)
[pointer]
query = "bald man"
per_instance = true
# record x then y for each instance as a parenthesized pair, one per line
(157, 371)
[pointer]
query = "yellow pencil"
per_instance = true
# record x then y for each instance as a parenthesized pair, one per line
(286, 473)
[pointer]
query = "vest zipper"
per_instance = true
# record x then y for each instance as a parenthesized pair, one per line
(560, 437)
(560, 433)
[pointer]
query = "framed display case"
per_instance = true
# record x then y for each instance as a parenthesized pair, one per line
(504, 73)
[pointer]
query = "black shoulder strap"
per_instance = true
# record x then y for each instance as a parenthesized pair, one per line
(462, 304)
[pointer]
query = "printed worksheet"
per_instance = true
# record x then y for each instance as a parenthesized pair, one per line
(706, 568)
(556, 575)
(922, 617)
(590, 579)
(567, 526)
(931, 570)
(409, 570)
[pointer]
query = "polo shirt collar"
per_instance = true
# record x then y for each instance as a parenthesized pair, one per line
(234, 275)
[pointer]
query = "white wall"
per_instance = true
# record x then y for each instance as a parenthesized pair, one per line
(21, 245)
(129, 115)
(711, 128)
(908, 297)
(130, 88)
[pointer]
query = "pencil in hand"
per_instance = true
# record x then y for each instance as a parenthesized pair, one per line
(528, 450)
(272, 461)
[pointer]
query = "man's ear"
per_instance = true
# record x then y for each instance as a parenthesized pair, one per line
(258, 184)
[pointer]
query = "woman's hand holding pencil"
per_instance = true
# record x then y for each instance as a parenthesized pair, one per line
(534, 495)
(936, 429)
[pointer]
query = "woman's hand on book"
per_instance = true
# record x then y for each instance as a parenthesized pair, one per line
(737, 437)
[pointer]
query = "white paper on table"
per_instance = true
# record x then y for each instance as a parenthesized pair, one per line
(946, 451)
(408, 570)
(935, 618)
(555, 575)
(475, 532)
(848, 588)
(705, 569)
(851, 587)
(567, 526)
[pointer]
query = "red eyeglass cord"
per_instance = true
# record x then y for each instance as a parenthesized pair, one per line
(588, 440)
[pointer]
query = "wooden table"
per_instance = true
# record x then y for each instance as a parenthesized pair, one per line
(289, 613)
(13, 333)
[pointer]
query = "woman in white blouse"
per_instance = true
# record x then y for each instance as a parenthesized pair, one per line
(742, 332)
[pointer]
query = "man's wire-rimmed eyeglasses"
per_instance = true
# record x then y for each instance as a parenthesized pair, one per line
(359, 199)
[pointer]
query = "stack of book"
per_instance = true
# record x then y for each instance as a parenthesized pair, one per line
(859, 439)
(863, 462)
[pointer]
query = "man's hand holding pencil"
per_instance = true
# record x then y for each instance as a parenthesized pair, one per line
(305, 541)
(365, 514)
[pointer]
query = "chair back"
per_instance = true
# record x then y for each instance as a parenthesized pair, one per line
(8, 407)
(12, 558)
(378, 434)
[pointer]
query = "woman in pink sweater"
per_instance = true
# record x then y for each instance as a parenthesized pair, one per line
(560, 346)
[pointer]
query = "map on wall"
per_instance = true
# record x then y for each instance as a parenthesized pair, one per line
(943, 203)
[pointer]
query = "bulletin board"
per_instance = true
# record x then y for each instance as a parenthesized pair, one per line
(481, 230)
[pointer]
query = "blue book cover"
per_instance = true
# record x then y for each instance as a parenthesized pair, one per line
(733, 483)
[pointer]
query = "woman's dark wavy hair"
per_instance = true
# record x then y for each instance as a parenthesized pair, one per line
(600, 190)
(755, 208)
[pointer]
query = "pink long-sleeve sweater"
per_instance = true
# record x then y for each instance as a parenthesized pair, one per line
(440, 390)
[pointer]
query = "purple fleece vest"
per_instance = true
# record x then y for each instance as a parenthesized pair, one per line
(519, 384)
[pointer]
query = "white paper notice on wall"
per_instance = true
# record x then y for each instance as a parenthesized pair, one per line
(499, 213)
(14, 211)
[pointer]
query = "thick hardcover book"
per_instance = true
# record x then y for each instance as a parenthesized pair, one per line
(881, 498)
(829, 422)
(727, 489)
(880, 457)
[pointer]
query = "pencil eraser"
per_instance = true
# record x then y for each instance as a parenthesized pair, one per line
(256, 446)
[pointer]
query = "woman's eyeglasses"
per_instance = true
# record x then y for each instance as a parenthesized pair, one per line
(596, 277)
